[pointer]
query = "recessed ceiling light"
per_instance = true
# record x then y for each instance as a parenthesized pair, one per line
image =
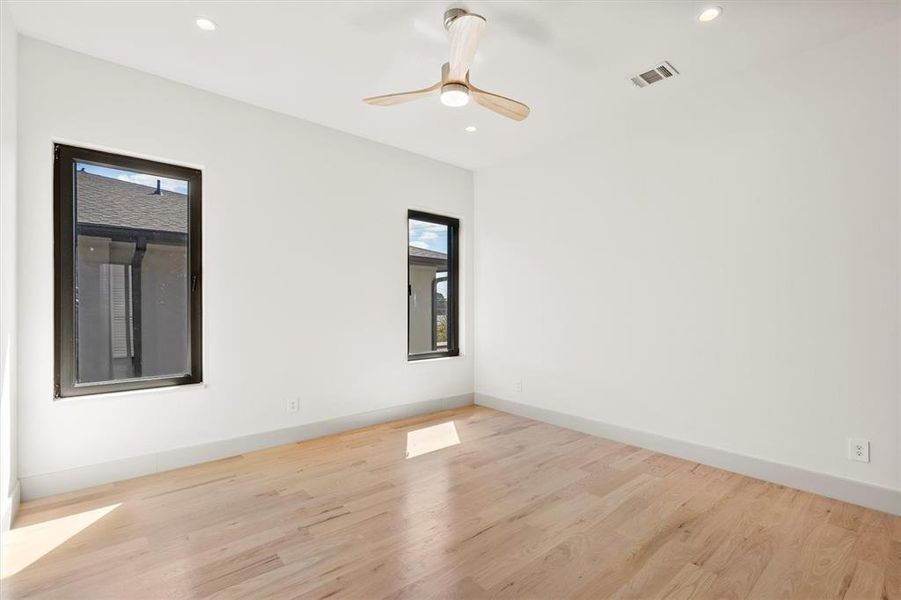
(205, 24)
(454, 94)
(470, 129)
(709, 14)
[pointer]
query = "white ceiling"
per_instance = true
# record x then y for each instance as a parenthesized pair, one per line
(570, 61)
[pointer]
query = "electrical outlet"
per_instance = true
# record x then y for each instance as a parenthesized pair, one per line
(859, 450)
(517, 387)
(293, 404)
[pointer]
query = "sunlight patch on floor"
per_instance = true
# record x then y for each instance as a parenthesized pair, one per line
(428, 439)
(25, 545)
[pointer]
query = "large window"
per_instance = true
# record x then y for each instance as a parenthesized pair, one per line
(431, 286)
(127, 273)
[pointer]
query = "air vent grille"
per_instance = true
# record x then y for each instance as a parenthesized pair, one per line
(664, 70)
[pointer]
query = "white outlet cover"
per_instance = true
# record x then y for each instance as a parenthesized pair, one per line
(859, 449)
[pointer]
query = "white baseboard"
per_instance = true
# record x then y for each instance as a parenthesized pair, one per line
(10, 506)
(48, 484)
(847, 490)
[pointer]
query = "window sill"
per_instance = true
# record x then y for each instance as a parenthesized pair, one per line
(187, 387)
(432, 359)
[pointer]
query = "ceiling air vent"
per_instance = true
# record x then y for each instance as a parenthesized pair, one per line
(662, 71)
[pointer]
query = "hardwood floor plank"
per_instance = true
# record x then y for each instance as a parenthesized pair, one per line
(867, 582)
(829, 566)
(892, 587)
(690, 582)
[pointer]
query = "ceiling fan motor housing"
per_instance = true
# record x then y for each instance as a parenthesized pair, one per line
(454, 87)
(452, 14)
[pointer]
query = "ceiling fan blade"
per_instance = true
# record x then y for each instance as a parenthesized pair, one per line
(499, 104)
(400, 98)
(465, 32)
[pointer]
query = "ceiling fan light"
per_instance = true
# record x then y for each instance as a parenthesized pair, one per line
(454, 95)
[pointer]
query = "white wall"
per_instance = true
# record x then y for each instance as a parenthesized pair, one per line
(723, 269)
(8, 79)
(305, 245)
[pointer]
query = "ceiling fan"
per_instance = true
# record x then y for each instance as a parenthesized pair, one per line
(464, 29)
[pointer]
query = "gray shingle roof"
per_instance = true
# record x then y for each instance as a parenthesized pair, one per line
(106, 201)
(423, 253)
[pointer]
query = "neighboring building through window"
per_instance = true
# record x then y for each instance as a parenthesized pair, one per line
(128, 303)
(432, 286)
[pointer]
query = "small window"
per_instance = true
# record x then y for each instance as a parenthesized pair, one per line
(432, 286)
(127, 273)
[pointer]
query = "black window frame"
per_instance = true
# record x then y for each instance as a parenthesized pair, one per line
(453, 297)
(65, 352)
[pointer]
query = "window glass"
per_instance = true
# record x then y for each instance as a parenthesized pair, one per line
(131, 275)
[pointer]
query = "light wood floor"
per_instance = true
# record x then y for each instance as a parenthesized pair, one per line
(517, 509)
